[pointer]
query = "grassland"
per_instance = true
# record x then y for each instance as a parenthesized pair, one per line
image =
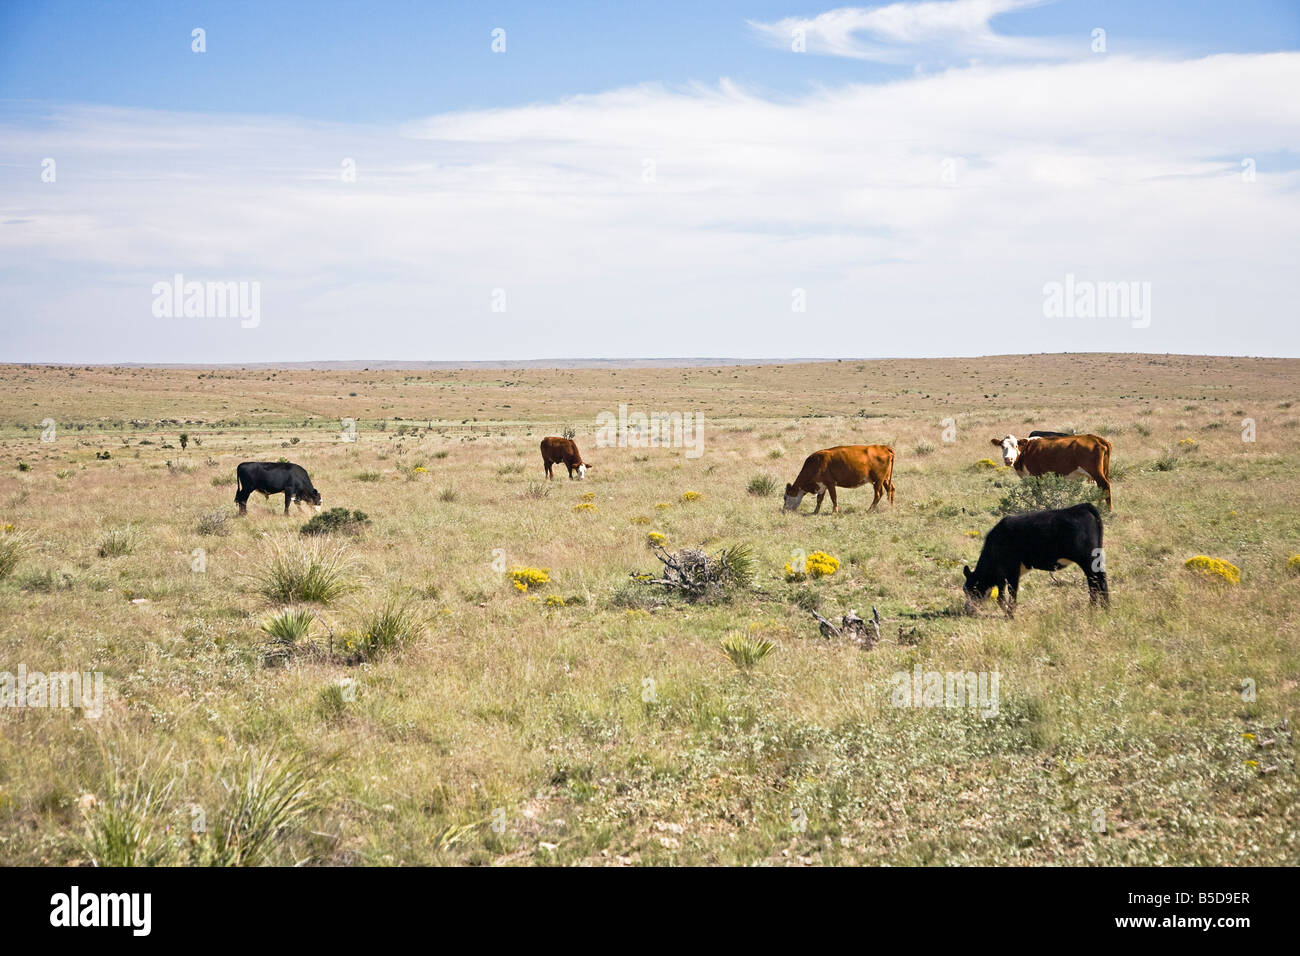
(495, 727)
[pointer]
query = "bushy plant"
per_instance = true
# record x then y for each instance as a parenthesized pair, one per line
(1048, 491)
(336, 521)
(292, 570)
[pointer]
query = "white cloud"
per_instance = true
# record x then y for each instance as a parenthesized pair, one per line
(1108, 168)
(906, 32)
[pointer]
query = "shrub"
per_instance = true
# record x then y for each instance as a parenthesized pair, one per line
(336, 521)
(655, 538)
(292, 570)
(776, 453)
(119, 541)
(819, 564)
(369, 476)
(1214, 568)
(554, 600)
(689, 496)
(103, 456)
(761, 486)
(1293, 564)
(128, 827)
(525, 578)
(695, 575)
(267, 799)
(537, 489)
(214, 523)
(1047, 491)
(745, 651)
(985, 464)
(585, 506)
(922, 449)
(448, 495)
(289, 626)
(1142, 429)
(511, 468)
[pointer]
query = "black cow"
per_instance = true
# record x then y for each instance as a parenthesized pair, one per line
(1051, 435)
(272, 478)
(1042, 540)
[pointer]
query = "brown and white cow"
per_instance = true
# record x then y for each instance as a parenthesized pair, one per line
(1074, 456)
(844, 466)
(563, 451)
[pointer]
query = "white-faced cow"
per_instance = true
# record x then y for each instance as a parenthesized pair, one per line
(1043, 541)
(563, 451)
(271, 478)
(1074, 456)
(845, 466)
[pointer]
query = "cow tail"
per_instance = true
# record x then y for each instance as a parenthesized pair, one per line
(889, 476)
(1105, 459)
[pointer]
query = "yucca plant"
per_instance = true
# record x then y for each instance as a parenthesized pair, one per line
(298, 570)
(389, 626)
(267, 797)
(289, 626)
(745, 651)
(128, 827)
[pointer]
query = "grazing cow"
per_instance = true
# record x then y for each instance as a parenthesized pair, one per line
(271, 478)
(1050, 434)
(563, 451)
(1074, 456)
(844, 466)
(1043, 541)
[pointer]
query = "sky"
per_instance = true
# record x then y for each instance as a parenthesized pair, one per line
(490, 181)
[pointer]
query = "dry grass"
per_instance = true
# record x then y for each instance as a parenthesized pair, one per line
(591, 724)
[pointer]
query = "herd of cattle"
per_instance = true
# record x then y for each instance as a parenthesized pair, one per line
(1042, 540)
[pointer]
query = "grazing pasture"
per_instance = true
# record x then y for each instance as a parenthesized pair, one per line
(481, 680)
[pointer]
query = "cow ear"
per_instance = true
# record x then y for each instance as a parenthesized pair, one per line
(965, 569)
(996, 441)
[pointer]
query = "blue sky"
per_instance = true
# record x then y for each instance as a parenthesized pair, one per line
(646, 180)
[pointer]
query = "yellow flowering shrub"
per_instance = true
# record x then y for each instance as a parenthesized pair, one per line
(986, 463)
(641, 519)
(661, 505)
(589, 496)
(691, 496)
(819, 564)
(1293, 564)
(525, 578)
(554, 600)
(1214, 568)
(1188, 443)
(585, 506)
(655, 537)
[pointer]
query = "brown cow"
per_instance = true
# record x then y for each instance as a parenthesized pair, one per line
(1075, 456)
(563, 451)
(845, 466)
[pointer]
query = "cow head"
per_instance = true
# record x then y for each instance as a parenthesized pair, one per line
(792, 498)
(582, 470)
(312, 496)
(974, 588)
(1010, 449)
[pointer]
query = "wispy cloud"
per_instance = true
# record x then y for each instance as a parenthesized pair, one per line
(921, 216)
(941, 30)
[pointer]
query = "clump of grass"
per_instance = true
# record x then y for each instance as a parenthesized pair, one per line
(776, 453)
(441, 454)
(119, 541)
(537, 490)
(763, 485)
(819, 564)
(336, 521)
(14, 546)
(1171, 456)
(214, 523)
(745, 651)
(293, 570)
(511, 468)
(369, 476)
(448, 495)
(289, 626)
(389, 626)
(182, 466)
(1047, 491)
(219, 481)
(1142, 429)
(1214, 568)
(921, 449)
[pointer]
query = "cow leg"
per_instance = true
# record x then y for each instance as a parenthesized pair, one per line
(1105, 486)
(820, 495)
(547, 465)
(1007, 594)
(241, 499)
(879, 488)
(1097, 589)
(835, 505)
(288, 500)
